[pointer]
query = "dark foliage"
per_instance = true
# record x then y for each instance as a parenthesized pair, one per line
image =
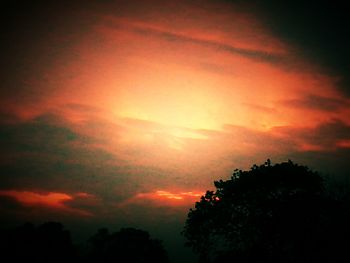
(48, 242)
(127, 245)
(279, 213)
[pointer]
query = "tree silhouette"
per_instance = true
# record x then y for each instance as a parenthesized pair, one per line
(279, 213)
(127, 245)
(48, 242)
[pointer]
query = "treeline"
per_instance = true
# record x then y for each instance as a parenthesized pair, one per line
(51, 242)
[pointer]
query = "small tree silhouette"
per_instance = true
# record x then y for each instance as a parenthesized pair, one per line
(127, 245)
(279, 213)
(48, 242)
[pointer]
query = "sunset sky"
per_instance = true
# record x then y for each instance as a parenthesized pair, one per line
(123, 113)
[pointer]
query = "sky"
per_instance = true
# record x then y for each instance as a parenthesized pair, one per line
(123, 113)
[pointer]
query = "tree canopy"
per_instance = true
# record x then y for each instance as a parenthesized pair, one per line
(49, 242)
(127, 245)
(270, 213)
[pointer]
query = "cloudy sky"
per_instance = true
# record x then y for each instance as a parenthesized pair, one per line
(122, 113)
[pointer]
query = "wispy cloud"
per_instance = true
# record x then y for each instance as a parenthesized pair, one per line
(153, 31)
(164, 198)
(319, 103)
(50, 200)
(325, 137)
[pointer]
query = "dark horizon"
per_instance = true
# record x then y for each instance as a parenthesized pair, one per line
(295, 201)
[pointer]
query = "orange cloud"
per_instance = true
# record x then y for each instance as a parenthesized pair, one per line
(50, 200)
(31, 198)
(164, 198)
(176, 196)
(343, 143)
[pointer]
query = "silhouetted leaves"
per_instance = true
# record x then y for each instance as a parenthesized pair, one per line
(127, 245)
(46, 243)
(279, 213)
(49, 242)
